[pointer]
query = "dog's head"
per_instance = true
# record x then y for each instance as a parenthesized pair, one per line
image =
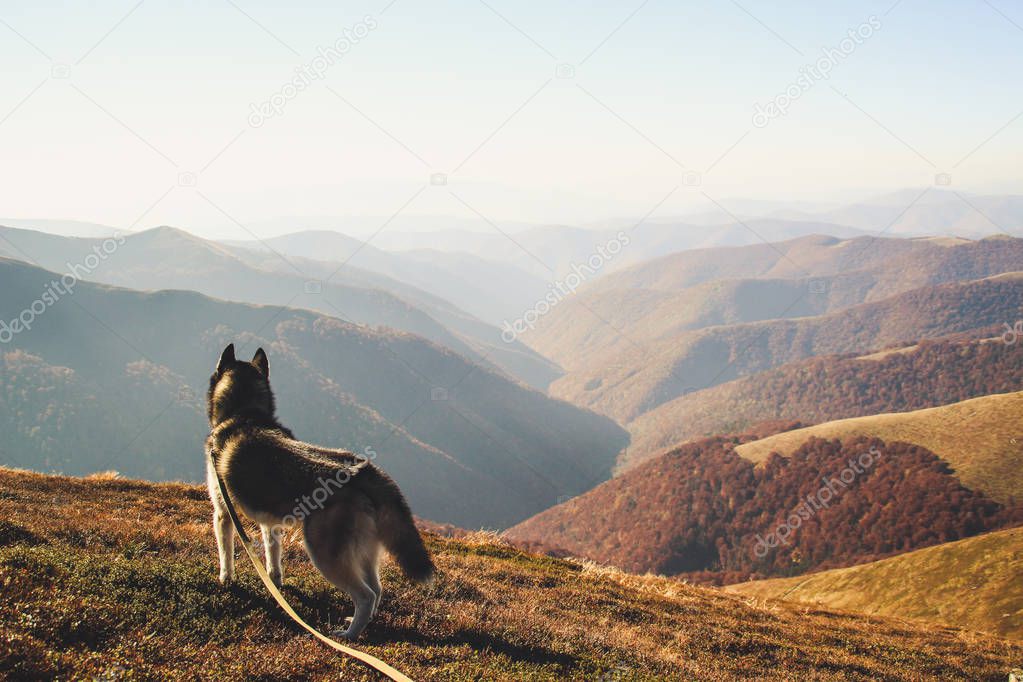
(239, 386)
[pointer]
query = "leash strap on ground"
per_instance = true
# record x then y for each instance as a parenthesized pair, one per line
(364, 658)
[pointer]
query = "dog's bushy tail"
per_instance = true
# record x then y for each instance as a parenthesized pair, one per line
(399, 534)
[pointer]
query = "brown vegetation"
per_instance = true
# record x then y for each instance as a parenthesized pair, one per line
(116, 579)
(702, 508)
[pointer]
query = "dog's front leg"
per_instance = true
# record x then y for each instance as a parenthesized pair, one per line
(222, 528)
(272, 543)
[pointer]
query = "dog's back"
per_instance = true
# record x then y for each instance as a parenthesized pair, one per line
(279, 480)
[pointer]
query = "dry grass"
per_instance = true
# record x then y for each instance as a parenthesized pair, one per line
(972, 582)
(882, 354)
(912, 348)
(981, 439)
(945, 241)
(116, 578)
(110, 475)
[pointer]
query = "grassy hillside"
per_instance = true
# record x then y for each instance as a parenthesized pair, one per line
(118, 581)
(648, 375)
(816, 390)
(981, 439)
(972, 583)
(115, 379)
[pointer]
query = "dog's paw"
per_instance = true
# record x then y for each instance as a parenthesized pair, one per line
(226, 578)
(277, 579)
(344, 633)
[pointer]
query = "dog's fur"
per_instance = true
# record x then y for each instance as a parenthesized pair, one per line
(268, 473)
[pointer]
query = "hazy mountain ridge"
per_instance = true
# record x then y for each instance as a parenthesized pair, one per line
(552, 250)
(913, 212)
(813, 275)
(655, 373)
(169, 258)
(65, 228)
(485, 340)
(489, 289)
(456, 426)
(821, 389)
(896, 264)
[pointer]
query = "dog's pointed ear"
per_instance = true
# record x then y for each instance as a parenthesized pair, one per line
(226, 358)
(261, 362)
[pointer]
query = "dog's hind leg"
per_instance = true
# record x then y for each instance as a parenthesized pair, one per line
(339, 543)
(272, 549)
(371, 570)
(365, 599)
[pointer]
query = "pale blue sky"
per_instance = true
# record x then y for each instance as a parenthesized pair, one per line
(669, 92)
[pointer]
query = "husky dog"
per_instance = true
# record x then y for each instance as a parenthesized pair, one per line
(268, 474)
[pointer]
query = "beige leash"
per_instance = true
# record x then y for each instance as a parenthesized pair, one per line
(364, 658)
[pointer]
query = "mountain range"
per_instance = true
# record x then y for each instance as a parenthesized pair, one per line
(169, 258)
(925, 212)
(820, 389)
(489, 289)
(110, 378)
(801, 411)
(647, 375)
(812, 275)
(862, 489)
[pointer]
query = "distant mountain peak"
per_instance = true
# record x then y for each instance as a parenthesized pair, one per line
(166, 232)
